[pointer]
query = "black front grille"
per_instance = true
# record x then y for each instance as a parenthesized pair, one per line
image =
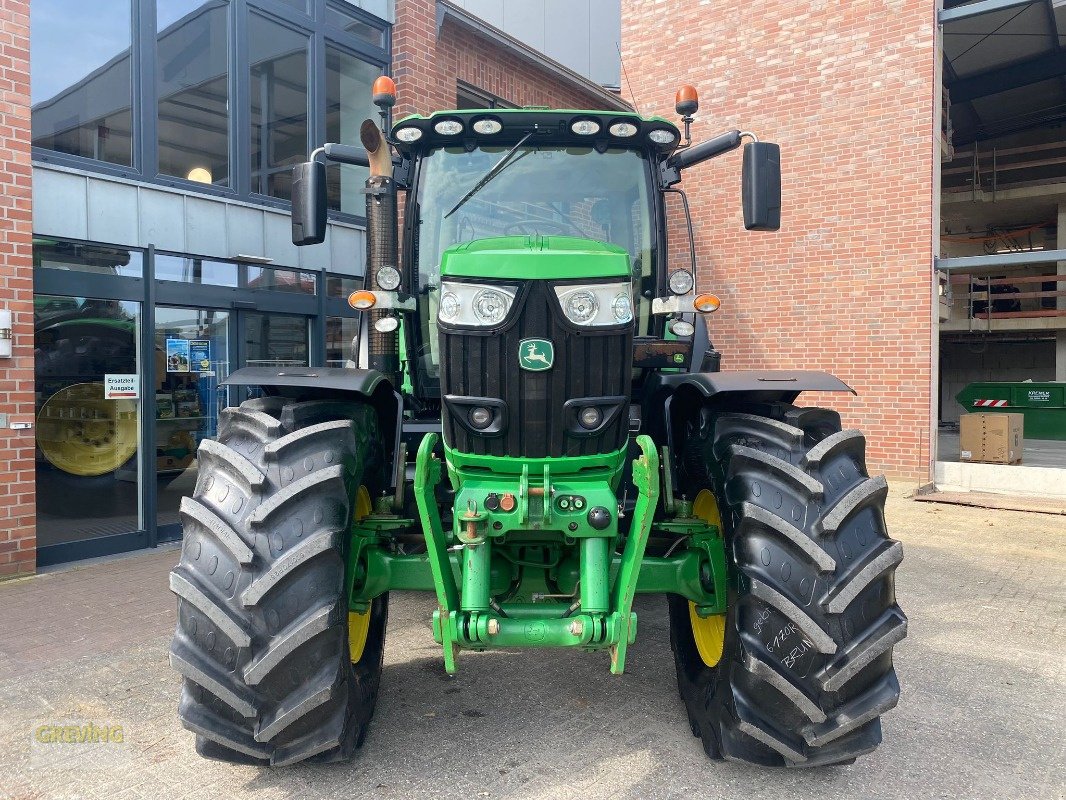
(588, 363)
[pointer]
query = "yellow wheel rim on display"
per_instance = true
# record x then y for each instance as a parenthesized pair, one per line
(708, 632)
(359, 623)
(81, 433)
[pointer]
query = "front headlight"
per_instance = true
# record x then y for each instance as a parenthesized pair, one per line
(490, 306)
(596, 304)
(474, 303)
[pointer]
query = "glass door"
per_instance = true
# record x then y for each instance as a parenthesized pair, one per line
(88, 401)
(275, 340)
(191, 358)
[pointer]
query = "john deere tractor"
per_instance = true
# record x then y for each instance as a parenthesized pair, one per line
(533, 426)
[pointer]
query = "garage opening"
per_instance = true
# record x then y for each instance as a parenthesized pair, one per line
(1001, 269)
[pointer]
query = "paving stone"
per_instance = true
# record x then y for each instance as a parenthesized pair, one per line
(981, 715)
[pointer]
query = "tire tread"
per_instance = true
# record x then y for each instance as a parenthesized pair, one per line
(805, 525)
(261, 639)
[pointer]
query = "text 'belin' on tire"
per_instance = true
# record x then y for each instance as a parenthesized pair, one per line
(533, 425)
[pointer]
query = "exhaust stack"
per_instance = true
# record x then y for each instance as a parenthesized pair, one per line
(381, 246)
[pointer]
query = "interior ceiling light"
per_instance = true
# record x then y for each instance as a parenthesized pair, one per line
(199, 175)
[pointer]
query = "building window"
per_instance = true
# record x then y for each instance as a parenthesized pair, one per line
(298, 5)
(356, 26)
(82, 86)
(278, 92)
(278, 71)
(190, 269)
(234, 115)
(348, 103)
(56, 254)
(192, 80)
(340, 334)
(469, 96)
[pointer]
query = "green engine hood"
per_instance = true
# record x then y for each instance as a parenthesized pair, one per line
(525, 257)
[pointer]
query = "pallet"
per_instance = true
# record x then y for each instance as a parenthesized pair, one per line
(1001, 502)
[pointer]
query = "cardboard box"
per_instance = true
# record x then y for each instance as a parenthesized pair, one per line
(991, 438)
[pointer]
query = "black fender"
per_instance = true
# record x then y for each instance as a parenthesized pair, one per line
(322, 383)
(672, 398)
(327, 381)
(759, 385)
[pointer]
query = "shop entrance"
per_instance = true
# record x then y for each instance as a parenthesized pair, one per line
(192, 354)
(131, 349)
(193, 350)
(88, 421)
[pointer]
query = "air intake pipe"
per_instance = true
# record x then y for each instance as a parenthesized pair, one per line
(381, 247)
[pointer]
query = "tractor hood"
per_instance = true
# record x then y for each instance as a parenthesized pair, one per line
(529, 257)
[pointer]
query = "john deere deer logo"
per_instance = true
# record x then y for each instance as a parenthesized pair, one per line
(536, 355)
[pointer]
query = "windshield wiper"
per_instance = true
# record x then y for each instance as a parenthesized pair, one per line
(495, 170)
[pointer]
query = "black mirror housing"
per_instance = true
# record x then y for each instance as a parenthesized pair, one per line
(762, 186)
(308, 203)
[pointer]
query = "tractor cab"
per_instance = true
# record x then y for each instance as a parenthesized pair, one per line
(532, 181)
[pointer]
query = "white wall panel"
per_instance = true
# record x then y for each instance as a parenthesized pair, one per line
(161, 219)
(348, 253)
(277, 239)
(59, 204)
(112, 211)
(244, 230)
(75, 205)
(205, 227)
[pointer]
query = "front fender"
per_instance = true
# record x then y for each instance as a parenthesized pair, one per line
(673, 398)
(333, 383)
(283, 380)
(759, 385)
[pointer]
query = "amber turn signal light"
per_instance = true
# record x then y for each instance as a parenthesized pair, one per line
(362, 300)
(706, 303)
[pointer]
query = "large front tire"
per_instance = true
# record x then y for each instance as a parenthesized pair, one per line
(262, 637)
(806, 663)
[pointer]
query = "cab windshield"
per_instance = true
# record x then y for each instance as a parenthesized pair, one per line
(551, 190)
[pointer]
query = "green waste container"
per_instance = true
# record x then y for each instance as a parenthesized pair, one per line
(1042, 404)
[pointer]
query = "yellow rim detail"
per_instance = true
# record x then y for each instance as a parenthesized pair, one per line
(363, 506)
(80, 432)
(708, 632)
(359, 624)
(705, 507)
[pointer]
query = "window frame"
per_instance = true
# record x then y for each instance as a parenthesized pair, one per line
(144, 109)
(491, 100)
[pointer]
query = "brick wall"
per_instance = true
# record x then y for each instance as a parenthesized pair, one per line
(17, 533)
(427, 68)
(849, 92)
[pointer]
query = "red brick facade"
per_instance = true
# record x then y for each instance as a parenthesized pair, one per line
(849, 90)
(427, 68)
(17, 510)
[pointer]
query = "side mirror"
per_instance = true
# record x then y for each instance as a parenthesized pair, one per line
(308, 203)
(762, 186)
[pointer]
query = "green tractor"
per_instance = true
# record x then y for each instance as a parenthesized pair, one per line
(533, 426)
